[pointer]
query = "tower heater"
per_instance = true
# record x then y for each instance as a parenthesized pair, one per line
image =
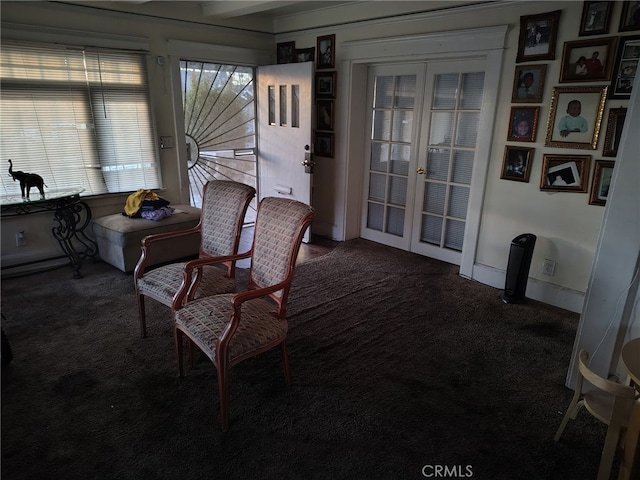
(518, 266)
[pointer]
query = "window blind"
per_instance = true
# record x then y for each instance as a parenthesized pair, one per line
(79, 117)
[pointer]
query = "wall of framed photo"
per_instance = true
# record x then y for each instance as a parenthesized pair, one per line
(584, 103)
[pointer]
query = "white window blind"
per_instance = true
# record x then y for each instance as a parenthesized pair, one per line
(79, 117)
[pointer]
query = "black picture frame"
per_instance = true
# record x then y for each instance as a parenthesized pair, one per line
(630, 17)
(602, 173)
(538, 34)
(565, 173)
(516, 164)
(324, 144)
(325, 84)
(305, 54)
(324, 114)
(285, 52)
(625, 67)
(326, 47)
(615, 124)
(589, 60)
(528, 83)
(523, 124)
(596, 18)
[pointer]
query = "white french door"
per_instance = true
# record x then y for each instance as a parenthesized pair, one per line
(423, 123)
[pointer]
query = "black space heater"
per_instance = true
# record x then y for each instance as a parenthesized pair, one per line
(518, 268)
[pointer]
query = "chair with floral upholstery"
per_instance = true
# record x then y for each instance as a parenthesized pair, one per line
(230, 328)
(224, 205)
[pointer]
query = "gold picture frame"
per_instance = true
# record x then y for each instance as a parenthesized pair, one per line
(602, 173)
(565, 129)
(588, 60)
(615, 123)
(565, 173)
(516, 164)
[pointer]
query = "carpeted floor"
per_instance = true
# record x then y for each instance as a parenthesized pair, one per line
(399, 366)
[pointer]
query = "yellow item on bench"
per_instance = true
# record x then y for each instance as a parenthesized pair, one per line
(134, 201)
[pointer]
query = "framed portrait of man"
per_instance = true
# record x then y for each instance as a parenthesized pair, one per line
(528, 83)
(538, 35)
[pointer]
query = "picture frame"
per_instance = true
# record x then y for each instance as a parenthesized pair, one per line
(626, 67)
(601, 181)
(516, 164)
(305, 54)
(615, 123)
(565, 173)
(537, 40)
(324, 144)
(568, 130)
(324, 115)
(630, 17)
(589, 60)
(596, 18)
(285, 52)
(528, 83)
(523, 124)
(325, 84)
(326, 51)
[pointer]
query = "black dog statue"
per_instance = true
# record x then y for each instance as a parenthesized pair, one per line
(27, 180)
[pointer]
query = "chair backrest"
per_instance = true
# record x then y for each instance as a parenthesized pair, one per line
(280, 226)
(224, 204)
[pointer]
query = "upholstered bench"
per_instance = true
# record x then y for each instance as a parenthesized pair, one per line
(118, 237)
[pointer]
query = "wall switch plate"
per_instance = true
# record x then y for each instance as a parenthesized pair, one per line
(548, 267)
(21, 239)
(166, 142)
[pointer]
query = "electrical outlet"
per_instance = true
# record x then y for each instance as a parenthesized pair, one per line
(21, 239)
(548, 267)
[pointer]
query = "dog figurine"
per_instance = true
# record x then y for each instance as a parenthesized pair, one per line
(27, 180)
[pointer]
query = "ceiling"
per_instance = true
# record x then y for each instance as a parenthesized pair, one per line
(271, 16)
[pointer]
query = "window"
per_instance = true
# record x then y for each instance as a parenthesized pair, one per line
(79, 117)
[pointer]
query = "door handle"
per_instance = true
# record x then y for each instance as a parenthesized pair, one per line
(420, 171)
(308, 162)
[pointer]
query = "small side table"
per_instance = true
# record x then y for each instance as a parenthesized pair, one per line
(72, 216)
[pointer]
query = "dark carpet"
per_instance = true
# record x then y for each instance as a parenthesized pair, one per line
(400, 367)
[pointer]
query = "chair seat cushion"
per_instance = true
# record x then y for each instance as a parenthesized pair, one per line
(162, 283)
(205, 320)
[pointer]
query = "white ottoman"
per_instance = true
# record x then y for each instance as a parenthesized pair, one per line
(119, 237)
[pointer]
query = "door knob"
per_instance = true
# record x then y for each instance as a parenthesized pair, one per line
(420, 171)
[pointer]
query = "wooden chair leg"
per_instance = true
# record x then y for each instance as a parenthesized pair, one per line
(608, 452)
(177, 335)
(572, 411)
(284, 355)
(142, 316)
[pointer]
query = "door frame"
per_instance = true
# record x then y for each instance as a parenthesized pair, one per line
(484, 43)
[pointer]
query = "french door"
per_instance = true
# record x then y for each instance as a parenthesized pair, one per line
(423, 126)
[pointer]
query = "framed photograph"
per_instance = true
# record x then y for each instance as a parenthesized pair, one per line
(630, 17)
(523, 124)
(528, 83)
(516, 164)
(324, 144)
(324, 111)
(596, 18)
(326, 52)
(575, 116)
(565, 173)
(285, 52)
(538, 35)
(614, 131)
(602, 172)
(305, 54)
(626, 66)
(325, 84)
(588, 60)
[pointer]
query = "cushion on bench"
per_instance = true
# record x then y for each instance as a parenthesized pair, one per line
(119, 237)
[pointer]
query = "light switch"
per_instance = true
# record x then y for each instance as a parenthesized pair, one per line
(166, 142)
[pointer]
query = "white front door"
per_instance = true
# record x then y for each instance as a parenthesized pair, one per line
(424, 127)
(285, 131)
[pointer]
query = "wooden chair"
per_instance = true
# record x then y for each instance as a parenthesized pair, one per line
(608, 401)
(224, 205)
(230, 328)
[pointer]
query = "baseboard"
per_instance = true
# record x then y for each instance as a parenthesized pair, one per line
(555, 295)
